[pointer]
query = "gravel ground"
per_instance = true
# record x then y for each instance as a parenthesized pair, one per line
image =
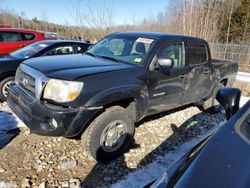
(35, 161)
(4, 107)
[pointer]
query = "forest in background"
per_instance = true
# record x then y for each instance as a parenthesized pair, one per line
(217, 21)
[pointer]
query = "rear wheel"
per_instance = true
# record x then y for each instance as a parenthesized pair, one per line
(109, 135)
(212, 105)
(4, 87)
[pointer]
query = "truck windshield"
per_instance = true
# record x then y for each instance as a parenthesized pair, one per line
(29, 51)
(122, 49)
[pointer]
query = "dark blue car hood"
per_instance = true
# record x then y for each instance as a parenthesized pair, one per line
(8, 59)
(4, 59)
(70, 67)
(223, 162)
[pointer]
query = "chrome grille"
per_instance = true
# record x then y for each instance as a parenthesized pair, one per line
(26, 82)
(30, 80)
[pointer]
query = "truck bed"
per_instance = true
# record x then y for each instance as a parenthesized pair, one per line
(225, 69)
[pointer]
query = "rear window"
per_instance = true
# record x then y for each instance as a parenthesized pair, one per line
(9, 37)
(197, 53)
(27, 36)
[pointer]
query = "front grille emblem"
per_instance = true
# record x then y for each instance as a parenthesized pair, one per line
(25, 82)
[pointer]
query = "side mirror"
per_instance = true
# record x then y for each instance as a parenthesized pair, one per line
(229, 98)
(166, 63)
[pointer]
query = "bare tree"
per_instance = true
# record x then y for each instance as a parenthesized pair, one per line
(98, 17)
(229, 25)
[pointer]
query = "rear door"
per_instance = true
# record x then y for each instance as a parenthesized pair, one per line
(9, 41)
(166, 85)
(198, 80)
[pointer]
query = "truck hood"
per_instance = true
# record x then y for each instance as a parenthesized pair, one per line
(71, 67)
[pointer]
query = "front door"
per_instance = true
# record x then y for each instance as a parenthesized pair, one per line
(166, 85)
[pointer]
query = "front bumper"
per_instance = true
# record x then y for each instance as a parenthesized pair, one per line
(38, 117)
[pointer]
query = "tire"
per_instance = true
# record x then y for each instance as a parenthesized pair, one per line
(112, 122)
(4, 84)
(211, 105)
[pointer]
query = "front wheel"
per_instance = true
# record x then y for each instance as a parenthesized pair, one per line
(109, 135)
(4, 87)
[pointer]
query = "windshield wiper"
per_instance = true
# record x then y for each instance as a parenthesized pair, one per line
(105, 57)
(110, 58)
(89, 53)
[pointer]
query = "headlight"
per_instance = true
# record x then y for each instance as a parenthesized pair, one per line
(62, 91)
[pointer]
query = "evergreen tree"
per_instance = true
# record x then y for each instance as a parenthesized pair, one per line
(239, 31)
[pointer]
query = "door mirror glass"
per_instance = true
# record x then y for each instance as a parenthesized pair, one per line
(229, 98)
(166, 63)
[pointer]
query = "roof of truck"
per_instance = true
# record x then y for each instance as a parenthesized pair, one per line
(155, 35)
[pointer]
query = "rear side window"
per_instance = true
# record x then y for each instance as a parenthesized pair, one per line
(197, 53)
(27, 36)
(60, 50)
(9, 37)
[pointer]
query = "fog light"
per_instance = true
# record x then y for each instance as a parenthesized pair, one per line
(54, 123)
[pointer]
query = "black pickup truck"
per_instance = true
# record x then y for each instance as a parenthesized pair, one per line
(121, 79)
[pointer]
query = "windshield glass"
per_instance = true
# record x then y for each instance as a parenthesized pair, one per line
(29, 51)
(122, 48)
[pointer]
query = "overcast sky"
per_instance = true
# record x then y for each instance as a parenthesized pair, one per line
(61, 11)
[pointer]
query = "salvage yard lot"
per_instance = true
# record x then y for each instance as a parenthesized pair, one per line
(33, 160)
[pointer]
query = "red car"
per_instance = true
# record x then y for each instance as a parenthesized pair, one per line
(12, 39)
(4, 26)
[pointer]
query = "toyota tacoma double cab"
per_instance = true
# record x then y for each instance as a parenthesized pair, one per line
(123, 78)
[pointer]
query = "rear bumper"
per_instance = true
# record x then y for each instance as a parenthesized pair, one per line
(41, 119)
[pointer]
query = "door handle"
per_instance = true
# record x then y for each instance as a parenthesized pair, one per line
(206, 71)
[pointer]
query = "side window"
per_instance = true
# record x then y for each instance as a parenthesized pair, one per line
(197, 53)
(175, 52)
(9, 37)
(27, 36)
(60, 50)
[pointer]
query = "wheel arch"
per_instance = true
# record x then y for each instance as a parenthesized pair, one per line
(224, 81)
(131, 97)
(6, 75)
